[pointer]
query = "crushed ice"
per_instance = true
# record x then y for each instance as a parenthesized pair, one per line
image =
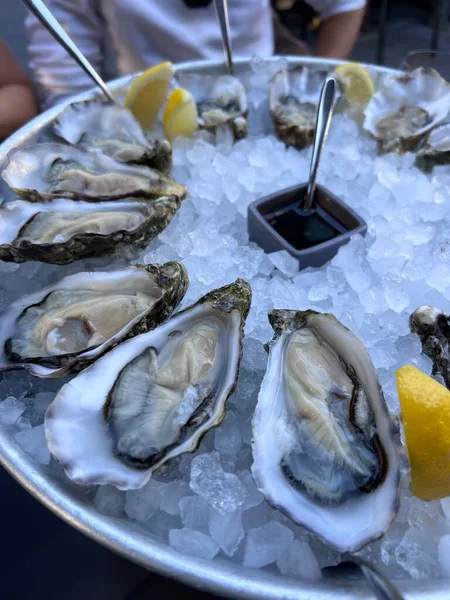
(207, 504)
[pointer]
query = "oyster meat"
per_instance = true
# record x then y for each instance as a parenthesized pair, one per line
(325, 449)
(221, 101)
(62, 231)
(405, 108)
(153, 397)
(65, 327)
(113, 130)
(432, 326)
(294, 96)
(47, 171)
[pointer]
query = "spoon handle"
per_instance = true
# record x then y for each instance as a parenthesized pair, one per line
(376, 582)
(38, 8)
(224, 22)
(323, 120)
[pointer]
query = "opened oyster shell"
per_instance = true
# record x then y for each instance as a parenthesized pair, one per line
(62, 231)
(221, 101)
(113, 130)
(436, 147)
(432, 325)
(47, 171)
(294, 96)
(67, 326)
(153, 397)
(406, 107)
(324, 445)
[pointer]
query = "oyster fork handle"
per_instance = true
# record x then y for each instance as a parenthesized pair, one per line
(323, 121)
(378, 583)
(38, 8)
(224, 22)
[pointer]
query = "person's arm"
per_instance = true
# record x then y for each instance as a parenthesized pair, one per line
(57, 75)
(339, 28)
(17, 100)
(338, 34)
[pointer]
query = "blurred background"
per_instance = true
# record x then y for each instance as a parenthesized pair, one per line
(392, 28)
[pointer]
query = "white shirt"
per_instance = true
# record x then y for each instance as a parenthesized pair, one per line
(121, 37)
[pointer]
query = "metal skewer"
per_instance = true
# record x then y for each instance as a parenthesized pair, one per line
(224, 22)
(376, 582)
(324, 114)
(39, 9)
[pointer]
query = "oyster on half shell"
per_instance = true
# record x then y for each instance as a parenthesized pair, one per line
(153, 397)
(67, 326)
(294, 96)
(407, 107)
(221, 101)
(325, 449)
(62, 231)
(432, 325)
(47, 171)
(113, 130)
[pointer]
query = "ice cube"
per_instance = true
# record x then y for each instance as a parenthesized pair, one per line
(193, 543)
(299, 560)
(42, 401)
(109, 501)
(33, 442)
(10, 410)
(413, 557)
(141, 504)
(226, 530)
(171, 494)
(227, 439)
(194, 513)
(253, 495)
(395, 293)
(266, 544)
(223, 491)
(444, 555)
(284, 262)
(445, 504)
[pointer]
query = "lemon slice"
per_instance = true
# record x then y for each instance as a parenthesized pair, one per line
(148, 93)
(425, 405)
(356, 81)
(180, 116)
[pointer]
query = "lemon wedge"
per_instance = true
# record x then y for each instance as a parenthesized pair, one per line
(180, 116)
(148, 93)
(425, 405)
(356, 81)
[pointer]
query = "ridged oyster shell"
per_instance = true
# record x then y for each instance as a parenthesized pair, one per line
(67, 326)
(406, 107)
(62, 231)
(221, 101)
(436, 147)
(325, 449)
(50, 170)
(113, 130)
(432, 325)
(153, 397)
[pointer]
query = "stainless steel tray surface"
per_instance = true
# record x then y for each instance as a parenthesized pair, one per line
(119, 535)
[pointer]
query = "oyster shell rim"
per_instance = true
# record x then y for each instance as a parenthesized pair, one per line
(173, 286)
(90, 244)
(284, 322)
(146, 159)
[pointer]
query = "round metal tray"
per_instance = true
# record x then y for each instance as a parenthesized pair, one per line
(219, 575)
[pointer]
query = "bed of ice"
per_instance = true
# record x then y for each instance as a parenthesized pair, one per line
(206, 504)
